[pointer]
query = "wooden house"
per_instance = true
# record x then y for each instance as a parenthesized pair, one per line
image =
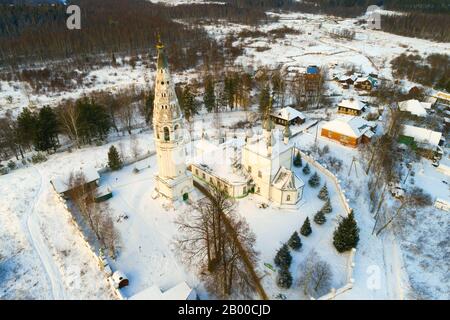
(289, 116)
(365, 83)
(351, 106)
(349, 131)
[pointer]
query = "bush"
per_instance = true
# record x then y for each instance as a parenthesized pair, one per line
(38, 157)
(306, 170)
(298, 160)
(11, 165)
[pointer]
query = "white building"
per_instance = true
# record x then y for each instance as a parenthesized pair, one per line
(262, 164)
(172, 180)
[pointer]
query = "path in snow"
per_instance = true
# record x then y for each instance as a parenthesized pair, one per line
(36, 239)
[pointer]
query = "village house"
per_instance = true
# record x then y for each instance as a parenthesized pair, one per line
(443, 99)
(289, 116)
(349, 131)
(365, 83)
(347, 80)
(351, 106)
(426, 139)
(312, 81)
(415, 107)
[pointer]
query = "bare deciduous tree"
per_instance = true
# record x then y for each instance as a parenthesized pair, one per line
(316, 275)
(220, 243)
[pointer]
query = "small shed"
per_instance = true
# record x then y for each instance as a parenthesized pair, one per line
(62, 184)
(103, 193)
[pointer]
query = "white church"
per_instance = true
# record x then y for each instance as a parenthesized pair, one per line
(262, 164)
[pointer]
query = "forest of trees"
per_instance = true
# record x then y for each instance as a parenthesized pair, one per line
(433, 70)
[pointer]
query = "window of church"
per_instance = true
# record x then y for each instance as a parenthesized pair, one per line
(288, 198)
(166, 134)
(162, 82)
(259, 174)
(249, 169)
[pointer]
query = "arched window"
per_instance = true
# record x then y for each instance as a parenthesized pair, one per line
(166, 134)
(288, 198)
(175, 129)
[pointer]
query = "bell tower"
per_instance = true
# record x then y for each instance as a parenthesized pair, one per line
(172, 180)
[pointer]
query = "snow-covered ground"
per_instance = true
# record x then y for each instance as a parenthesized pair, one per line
(42, 256)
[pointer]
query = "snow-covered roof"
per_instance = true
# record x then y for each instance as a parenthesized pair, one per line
(443, 96)
(288, 114)
(219, 159)
(422, 135)
(354, 104)
(103, 190)
(180, 292)
(61, 184)
(345, 78)
(285, 179)
(258, 145)
(414, 107)
(349, 126)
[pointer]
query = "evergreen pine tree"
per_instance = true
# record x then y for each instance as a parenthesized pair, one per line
(314, 181)
(26, 127)
(319, 218)
(327, 208)
(47, 130)
(295, 242)
(346, 235)
(283, 257)
(284, 279)
(323, 193)
(298, 160)
(306, 228)
(114, 161)
(209, 99)
(306, 170)
(189, 105)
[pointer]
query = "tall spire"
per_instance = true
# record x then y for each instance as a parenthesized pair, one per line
(162, 57)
